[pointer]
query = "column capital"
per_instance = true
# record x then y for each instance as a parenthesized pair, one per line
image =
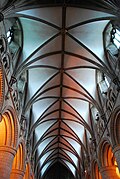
(8, 149)
(17, 174)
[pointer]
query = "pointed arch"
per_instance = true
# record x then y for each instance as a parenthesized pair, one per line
(105, 153)
(18, 165)
(95, 171)
(27, 171)
(9, 128)
(19, 160)
(115, 127)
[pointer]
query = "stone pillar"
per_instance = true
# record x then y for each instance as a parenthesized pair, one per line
(17, 174)
(109, 172)
(32, 176)
(116, 152)
(6, 159)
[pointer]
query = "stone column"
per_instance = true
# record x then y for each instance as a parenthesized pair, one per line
(17, 174)
(32, 176)
(6, 159)
(116, 152)
(109, 172)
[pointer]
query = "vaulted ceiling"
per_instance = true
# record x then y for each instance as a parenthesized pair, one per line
(63, 47)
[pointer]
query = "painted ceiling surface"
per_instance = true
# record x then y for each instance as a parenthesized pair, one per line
(62, 49)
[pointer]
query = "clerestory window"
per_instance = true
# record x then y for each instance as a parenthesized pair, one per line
(115, 34)
(103, 82)
(10, 35)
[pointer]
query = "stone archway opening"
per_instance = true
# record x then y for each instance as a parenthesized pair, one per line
(18, 163)
(8, 141)
(109, 167)
(27, 171)
(96, 172)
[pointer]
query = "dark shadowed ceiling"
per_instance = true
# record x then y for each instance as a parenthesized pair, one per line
(58, 171)
(63, 48)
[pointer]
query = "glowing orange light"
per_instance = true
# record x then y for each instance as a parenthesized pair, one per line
(27, 172)
(117, 170)
(3, 132)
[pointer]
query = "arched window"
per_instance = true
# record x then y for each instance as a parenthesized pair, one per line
(112, 43)
(103, 84)
(14, 38)
(115, 37)
(10, 35)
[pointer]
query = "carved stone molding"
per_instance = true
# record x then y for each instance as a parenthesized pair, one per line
(2, 86)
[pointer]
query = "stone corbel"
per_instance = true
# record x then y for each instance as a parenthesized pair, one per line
(93, 146)
(28, 150)
(10, 89)
(23, 128)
